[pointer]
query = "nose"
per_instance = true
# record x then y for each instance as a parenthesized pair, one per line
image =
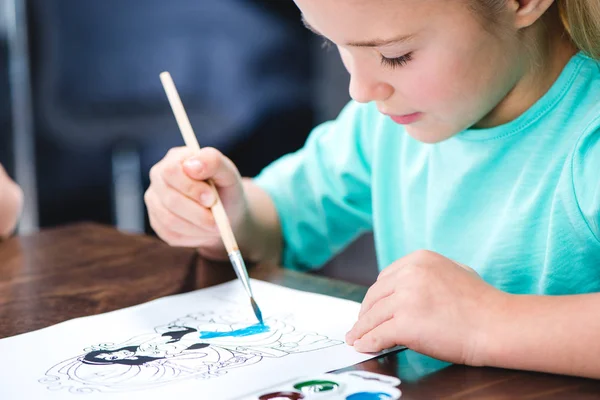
(364, 87)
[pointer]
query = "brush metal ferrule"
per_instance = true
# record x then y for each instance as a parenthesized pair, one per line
(239, 266)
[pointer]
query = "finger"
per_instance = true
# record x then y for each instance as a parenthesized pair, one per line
(182, 206)
(164, 226)
(381, 312)
(380, 289)
(170, 237)
(170, 173)
(174, 222)
(210, 163)
(383, 337)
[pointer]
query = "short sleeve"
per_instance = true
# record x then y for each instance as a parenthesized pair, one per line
(322, 192)
(586, 177)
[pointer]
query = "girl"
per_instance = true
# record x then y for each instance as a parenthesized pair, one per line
(474, 134)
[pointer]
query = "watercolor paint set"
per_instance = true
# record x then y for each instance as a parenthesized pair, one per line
(349, 385)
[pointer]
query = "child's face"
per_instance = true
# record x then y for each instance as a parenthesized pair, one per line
(455, 74)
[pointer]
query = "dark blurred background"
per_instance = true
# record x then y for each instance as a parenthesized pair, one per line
(83, 116)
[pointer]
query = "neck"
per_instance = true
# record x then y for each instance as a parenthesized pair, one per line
(545, 60)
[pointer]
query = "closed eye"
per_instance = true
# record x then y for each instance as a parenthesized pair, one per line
(396, 62)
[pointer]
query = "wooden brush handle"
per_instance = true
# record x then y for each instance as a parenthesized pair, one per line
(191, 142)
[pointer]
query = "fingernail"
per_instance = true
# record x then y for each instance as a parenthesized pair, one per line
(194, 164)
(207, 199)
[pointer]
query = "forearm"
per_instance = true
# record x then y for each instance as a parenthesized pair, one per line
(262, 239)
(556, 334)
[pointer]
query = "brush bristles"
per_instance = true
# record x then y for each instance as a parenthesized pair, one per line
(256, 310)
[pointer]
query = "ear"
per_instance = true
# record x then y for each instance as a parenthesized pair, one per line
(527, 12)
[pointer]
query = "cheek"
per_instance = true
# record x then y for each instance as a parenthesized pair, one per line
(445, 84)
(428, 86)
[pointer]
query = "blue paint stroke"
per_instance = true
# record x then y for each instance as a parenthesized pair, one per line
(248, 331)
(369, 396)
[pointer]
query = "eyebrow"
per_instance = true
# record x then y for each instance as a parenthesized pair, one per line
(368, 43)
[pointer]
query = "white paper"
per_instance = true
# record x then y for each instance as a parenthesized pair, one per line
(160, 354)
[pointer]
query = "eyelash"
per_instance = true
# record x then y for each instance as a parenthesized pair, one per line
(396, 62)
(386, 62)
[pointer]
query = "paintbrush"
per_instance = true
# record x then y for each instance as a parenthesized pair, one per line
(235, 256)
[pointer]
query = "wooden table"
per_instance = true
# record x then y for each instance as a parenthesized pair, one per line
(88, 269)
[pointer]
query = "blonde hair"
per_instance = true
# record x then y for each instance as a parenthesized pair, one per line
(581, 19)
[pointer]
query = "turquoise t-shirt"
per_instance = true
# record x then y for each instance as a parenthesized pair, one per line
(519, 203)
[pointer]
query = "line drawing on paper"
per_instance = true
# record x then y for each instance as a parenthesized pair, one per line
(201, 346)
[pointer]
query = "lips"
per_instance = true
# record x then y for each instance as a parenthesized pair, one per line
(406, 119)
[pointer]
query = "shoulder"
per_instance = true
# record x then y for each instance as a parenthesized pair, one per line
(585, 115)
(585, 91)
(586, 172)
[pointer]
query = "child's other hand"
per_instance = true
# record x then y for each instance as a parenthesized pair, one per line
(11, 203)
(430, 304)
(179, 198)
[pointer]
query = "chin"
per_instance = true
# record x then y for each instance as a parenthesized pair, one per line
(429, 135)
